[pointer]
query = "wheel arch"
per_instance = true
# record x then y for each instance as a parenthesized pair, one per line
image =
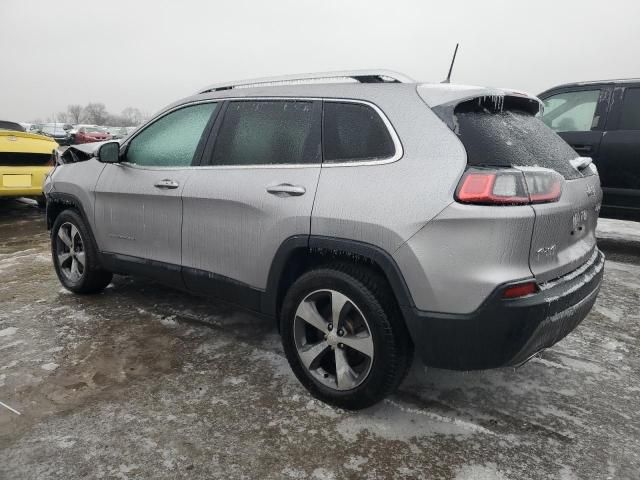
(301, 253)
(59, 202)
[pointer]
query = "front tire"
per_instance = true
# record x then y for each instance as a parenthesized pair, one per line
(344, 337)
(75, 256)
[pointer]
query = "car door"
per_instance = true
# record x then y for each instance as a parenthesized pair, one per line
(255, 190)
(138, 206)
(620, 150)
(578, 115)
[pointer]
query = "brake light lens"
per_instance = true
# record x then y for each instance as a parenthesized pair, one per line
(509, 187)
(520, 290)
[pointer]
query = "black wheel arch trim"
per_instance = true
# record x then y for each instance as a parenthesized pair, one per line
(312, 243)
(58, 198)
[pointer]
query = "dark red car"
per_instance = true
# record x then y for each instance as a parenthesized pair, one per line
(88, 134)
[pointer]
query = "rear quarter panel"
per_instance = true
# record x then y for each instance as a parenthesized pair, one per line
(385, 204)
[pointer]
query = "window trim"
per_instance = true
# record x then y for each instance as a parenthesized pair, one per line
(211, 133)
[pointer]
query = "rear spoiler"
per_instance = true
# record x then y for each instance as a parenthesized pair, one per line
(493, 103)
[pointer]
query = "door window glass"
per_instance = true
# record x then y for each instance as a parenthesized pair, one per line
(630, 117)
(571, 111)
(353, 131)
(172, 140)
(268, 132)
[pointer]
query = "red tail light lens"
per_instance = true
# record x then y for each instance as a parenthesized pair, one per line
(509, 187)
(520, 290)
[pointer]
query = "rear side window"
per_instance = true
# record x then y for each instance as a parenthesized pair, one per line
(268, 133)
(354, 131)
(504, 135)
(172, 140)
(571, 111)
(630, 117)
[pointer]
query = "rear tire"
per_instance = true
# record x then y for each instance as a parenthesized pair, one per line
(363, 357)
(75, 256)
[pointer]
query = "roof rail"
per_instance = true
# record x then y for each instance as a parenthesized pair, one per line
(362, 76)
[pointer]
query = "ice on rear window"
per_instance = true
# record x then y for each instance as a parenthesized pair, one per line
(504, 132)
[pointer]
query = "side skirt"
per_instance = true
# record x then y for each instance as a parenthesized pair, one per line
(188, 279)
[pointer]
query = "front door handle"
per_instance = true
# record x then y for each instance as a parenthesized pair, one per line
(286, 190)
(583, 148)
(166, 184)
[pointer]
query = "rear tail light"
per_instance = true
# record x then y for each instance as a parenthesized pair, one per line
(509, 187)
(520, 290)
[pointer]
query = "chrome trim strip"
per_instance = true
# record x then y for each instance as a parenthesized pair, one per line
(399, 151)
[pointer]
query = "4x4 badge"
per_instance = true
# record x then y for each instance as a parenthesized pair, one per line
(591, 192)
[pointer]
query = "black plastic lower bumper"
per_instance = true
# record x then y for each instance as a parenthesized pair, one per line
(505, 332)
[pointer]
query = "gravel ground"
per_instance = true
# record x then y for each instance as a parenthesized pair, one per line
(145, 382)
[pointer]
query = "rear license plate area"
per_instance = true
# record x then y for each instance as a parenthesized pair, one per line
(16, 181)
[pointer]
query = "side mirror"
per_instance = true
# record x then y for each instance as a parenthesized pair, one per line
(109, 152)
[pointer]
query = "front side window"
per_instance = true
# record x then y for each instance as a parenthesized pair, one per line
(630, 117)
(268, 132)
(172, 140)
(571, 111)
(354, 131)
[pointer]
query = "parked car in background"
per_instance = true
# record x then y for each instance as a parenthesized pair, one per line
(89, 133)
(25, 160)
(369, 217)
(117, 132)
(58, 131)
(601, 120)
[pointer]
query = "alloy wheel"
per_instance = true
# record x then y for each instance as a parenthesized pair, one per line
(70, 252)
(333, 339)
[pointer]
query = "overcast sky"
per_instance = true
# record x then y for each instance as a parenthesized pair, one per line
(147, 53)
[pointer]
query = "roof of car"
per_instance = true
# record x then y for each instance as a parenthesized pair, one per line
(614, 81)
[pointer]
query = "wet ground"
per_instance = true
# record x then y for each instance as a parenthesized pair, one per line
(145, 382)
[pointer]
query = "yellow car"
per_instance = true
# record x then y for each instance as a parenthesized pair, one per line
(25, 160)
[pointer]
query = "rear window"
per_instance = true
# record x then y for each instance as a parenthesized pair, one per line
(11, 126)
(630, 117)
(500, 133)
(354, 131)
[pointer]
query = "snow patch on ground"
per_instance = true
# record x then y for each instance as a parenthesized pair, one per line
(618, 229)
(5, 332)
(479, 472)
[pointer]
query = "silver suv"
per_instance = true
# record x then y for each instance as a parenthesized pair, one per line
(367, 213)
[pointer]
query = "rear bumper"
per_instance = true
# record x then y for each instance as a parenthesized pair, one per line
(507, 332)
(30, 181)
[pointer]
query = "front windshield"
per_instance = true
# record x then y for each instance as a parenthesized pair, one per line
(93, 130)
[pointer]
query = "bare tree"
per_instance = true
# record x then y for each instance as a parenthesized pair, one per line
(132, 116)
(75, 113)
(96, 113)
(62, 117)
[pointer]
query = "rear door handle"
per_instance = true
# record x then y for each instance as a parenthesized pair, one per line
(166, 184)
(286, 190)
